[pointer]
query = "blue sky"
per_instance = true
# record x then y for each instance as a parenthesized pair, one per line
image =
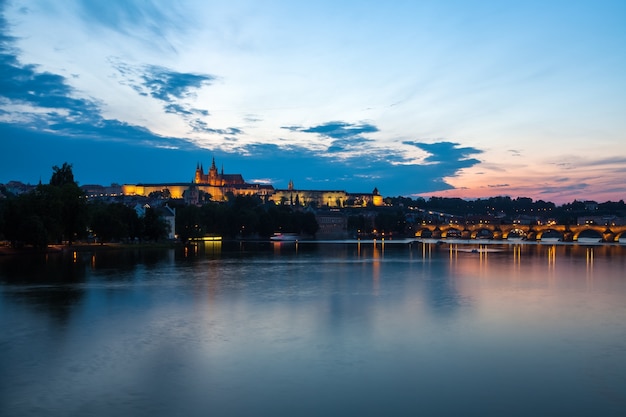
(450, 98)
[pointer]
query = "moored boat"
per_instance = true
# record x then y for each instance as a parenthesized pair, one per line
(285, 236)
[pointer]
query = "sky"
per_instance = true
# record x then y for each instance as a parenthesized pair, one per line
(469, 99)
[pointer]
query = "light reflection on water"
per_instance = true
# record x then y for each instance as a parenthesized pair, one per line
(363, 328)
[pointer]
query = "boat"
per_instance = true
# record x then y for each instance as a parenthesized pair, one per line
(278, 237)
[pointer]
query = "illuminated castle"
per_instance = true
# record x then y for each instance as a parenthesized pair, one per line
(218, 186)
(216, 179)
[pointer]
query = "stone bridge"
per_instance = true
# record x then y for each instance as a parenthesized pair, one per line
(567, 233)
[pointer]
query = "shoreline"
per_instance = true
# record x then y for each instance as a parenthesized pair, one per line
(6, 250)
(86, 247)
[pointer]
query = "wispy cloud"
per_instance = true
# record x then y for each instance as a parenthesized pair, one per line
(144, 20)
(345, 136)
(448, 154)
(166, 85)
(45, 101)
(170, 87)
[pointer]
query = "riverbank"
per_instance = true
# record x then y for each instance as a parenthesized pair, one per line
(86, 247)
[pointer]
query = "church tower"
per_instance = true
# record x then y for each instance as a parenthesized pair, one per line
(199, 174)
(213, 170)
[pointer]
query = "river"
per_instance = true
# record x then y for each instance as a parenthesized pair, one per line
(368, 328)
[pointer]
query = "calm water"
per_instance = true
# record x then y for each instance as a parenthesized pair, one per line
(316, 330)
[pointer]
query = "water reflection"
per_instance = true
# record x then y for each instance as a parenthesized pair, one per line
(359, 328)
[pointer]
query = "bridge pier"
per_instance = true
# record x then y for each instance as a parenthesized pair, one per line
(608, 236)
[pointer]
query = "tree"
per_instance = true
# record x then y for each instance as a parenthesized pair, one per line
(66, 193)
(154, 227)
(188, 224)
(113, 221)
(63, 175)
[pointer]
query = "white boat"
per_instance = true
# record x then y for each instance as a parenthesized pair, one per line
(285, 237)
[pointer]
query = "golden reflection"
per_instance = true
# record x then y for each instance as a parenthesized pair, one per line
(454, 254)
(426, 250)
(275, 247)
(74, 256)
(589, 258)
(517, 255)
(552, 255)
(375, 269)
(213, 247)
(93, 261)
(552, 263)
(482, 256)
(517, 259)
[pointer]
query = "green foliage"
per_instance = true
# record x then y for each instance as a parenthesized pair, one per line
(50, 213)
(242, 216)
(390, 221)
(154, 227)
(114, 222)
(62, 176)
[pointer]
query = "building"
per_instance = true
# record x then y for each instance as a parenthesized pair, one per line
(325, 198)
(166, 213)
(214, 185)
(333, 224)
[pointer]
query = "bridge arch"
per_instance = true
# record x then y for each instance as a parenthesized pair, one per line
(424, 232)
(590, 234)
(549, 234)
(482, 233)
(452, 233)
(514, 233)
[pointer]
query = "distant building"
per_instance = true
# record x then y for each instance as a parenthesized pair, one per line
(591, 205)
(100, 191)
(17, 187)
(332, 225)
(610, 220)
(166, 213)
(217, 186)
(325, 198)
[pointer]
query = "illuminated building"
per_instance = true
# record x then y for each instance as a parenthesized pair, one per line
(219, 185)
(325, 198)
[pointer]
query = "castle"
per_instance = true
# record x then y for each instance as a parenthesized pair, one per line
(217, 186)
(215, 179)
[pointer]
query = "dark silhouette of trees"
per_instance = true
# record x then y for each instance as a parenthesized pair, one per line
(154, 227)
(114, 222)
(52, 212)
(62, 176)
(242, 216)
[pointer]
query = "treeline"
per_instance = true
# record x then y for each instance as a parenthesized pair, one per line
(511, 207)
(57, 212)
(242, 216)
(50, 213)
